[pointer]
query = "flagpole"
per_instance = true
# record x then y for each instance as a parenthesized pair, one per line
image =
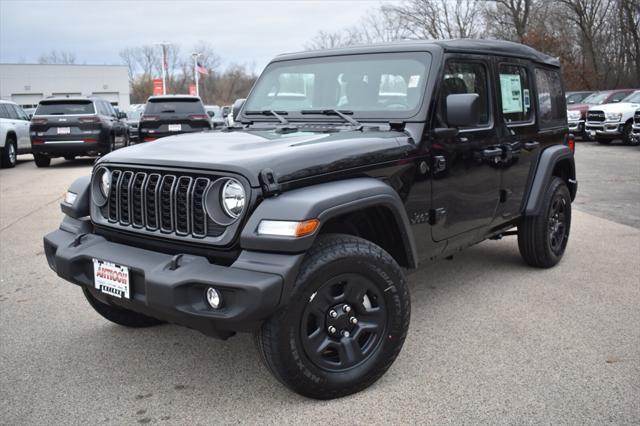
(195, 72)
(163, 45)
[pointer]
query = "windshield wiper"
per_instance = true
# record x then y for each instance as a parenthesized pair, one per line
(276, 114)
(341, 114)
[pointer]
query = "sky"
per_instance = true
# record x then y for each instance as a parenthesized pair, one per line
(247, 32)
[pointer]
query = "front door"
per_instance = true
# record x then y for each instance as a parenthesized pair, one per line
(465, 167)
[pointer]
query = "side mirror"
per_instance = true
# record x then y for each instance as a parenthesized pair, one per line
(463, 110)
(615, 101)
(211, 114)
(121, 115)
(237, 106)
(30, 116)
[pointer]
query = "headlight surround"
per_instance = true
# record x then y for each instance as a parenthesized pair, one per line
(232, 198)
(101, 186)
(225, 200)
(574, 115)
(613, 116)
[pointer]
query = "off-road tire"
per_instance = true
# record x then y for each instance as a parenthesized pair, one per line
(9, 154)
(42, 160)
(279, 341)
(534, 240)
(627, 139)
(119, 315)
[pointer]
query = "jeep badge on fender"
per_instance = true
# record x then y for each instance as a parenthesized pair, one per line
(344, 169)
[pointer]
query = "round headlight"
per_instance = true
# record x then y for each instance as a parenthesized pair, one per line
(105, 182)
(232, 198)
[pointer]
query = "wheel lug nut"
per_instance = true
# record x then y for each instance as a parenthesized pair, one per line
(332, 329)
(353, 320)
(345, 333)
(346, 308)
(333, 313)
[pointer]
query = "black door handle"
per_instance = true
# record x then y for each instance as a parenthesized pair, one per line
(530, 146)
(489, 153)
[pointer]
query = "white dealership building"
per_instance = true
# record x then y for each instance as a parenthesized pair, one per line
(26, 84)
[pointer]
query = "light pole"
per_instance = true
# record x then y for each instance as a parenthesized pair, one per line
(163, 45)
(196, 77)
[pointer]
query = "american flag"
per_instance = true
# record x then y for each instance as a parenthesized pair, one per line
(201, 69)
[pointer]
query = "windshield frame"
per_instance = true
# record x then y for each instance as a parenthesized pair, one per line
(426, 56)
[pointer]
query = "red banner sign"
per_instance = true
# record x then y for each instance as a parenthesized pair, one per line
(192, 89)
(157, 86)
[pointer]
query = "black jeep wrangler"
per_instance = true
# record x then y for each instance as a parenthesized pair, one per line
(346, 168)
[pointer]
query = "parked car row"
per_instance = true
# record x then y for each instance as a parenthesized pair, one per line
(603, 116)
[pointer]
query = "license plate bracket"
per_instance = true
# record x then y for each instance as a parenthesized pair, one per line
(175, 127)
(64, 130)
(111, 278)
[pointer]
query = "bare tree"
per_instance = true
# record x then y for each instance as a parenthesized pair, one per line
(510, 18)
(57, 57)
(439, 19)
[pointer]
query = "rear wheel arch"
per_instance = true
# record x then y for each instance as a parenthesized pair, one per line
(557, 161)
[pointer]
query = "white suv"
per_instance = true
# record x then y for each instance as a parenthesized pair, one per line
(613, 121)
(635, 134)
(14, 133)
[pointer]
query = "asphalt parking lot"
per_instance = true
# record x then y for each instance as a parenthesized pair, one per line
(491, 340)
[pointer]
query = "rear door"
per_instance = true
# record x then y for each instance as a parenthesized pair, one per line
(22, 128)
(465, 176)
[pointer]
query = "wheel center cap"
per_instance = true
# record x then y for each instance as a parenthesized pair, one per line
(341, 318)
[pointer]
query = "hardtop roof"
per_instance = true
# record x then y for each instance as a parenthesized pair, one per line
(492, 47)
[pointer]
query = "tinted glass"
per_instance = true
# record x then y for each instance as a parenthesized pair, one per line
(4, 112)
(551, 102)
(13, 111)
(465, 77)
(618, 96)
(515, 94)
(65, 108)
(633, 98)
(174, 106)
(596, 98)
(576, 98)
(369, 85)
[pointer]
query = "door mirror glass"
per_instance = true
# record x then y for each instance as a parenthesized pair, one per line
(237, 106)
(463, 110)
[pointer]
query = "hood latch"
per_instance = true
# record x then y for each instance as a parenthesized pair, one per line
(268, 182)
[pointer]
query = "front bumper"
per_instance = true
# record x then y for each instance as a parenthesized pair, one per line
(604, 130)
(576, 127)
(252, 288)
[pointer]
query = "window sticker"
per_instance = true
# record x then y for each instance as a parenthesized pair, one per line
(511, 91)
(414, 80)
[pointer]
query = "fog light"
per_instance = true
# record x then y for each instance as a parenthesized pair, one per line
(70, 197)
(214, 298)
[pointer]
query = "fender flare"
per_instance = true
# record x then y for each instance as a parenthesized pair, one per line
(325, 201)
(80, 207)
(547, 162)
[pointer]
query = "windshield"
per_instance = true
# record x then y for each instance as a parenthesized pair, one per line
(179, 106)
(385, 85)
(65, 108)
(596, 98)
(134, 114)
(633, 98)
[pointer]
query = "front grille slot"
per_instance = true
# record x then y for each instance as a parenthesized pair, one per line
(595, 116)
(161, 202)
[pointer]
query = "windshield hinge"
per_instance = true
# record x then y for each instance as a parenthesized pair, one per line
(268, 183)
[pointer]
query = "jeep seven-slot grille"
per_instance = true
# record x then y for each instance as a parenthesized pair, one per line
(167, 202)
(595, 116)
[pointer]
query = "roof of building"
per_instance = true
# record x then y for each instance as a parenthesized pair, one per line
(494, 47)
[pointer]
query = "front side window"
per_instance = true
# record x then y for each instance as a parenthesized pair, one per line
(465, 77)
(515, 94)
(618, 96)
(551, 104)
(369, 85)
(65, 108)
(596, 98)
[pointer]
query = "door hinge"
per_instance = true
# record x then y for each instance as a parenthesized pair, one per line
(269, 183)
(437, 215)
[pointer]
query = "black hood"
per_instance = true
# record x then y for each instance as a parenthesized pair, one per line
(291, 156)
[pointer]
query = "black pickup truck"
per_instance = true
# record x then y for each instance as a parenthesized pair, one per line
(345, 170)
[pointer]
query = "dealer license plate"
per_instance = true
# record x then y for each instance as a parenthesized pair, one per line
(175, 127)
(64, 130)
(111, 279)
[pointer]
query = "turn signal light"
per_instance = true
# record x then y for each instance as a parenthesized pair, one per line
(285, 228)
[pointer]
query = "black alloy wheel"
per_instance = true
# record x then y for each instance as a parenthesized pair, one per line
(343, 322)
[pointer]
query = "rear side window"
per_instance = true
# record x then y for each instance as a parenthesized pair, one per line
(465, 77)
(13, 111)
(4, 112)
(174, 106)
(551, 103)
(618, 96)
(515, 94)
(65, 108)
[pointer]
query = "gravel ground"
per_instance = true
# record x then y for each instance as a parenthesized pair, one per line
(491, 340)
